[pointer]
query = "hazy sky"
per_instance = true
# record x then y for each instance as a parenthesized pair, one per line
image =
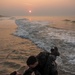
(38, 7)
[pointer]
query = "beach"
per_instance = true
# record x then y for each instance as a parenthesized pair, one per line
(14, 50)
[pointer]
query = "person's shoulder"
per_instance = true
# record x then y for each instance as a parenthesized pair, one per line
(43, 53)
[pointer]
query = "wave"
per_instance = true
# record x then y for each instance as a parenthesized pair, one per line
(46, 37)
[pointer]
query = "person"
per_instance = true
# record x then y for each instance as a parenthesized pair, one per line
(51, 67)
(43, 64)
(32, 62)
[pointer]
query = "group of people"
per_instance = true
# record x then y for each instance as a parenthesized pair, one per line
(42, 64)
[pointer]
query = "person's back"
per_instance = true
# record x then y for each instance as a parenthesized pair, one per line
(47, 64)
(42, 58)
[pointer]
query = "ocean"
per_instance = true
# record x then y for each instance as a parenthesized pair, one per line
(47, 32)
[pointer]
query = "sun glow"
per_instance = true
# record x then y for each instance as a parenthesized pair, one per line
(30, 11)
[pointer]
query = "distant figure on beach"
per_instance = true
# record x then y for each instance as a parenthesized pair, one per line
(54, 53)
(43, 64)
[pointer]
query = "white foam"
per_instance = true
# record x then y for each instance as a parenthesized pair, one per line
(72, 61)
(67, 36)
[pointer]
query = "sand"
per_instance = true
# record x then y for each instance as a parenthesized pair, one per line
(14, 50)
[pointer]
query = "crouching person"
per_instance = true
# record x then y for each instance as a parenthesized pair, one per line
(32, 62)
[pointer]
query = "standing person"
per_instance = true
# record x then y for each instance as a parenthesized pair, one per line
(45, 63)
(51, 66)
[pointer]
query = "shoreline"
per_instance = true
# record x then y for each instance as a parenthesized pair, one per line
(14, 48)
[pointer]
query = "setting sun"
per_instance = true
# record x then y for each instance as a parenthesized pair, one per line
(30, 11)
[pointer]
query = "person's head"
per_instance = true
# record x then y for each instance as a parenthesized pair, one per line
(32, 61)
(55, 51)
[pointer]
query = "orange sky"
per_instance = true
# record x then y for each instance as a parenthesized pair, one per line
(38, 7)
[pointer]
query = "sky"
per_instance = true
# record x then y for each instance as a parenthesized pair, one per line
(37, 7)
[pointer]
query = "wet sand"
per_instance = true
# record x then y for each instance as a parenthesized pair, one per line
(14, 50)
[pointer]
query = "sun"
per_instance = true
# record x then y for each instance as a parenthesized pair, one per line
(30, 11)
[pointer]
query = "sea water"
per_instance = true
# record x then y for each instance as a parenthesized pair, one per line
(47, 32)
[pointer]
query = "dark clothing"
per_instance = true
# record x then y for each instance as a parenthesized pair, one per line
(30, 70)
(47, 64)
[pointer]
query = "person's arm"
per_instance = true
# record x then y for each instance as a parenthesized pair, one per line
(28, 72)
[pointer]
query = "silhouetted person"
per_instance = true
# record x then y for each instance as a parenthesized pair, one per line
(43, 64)
(51, 67)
